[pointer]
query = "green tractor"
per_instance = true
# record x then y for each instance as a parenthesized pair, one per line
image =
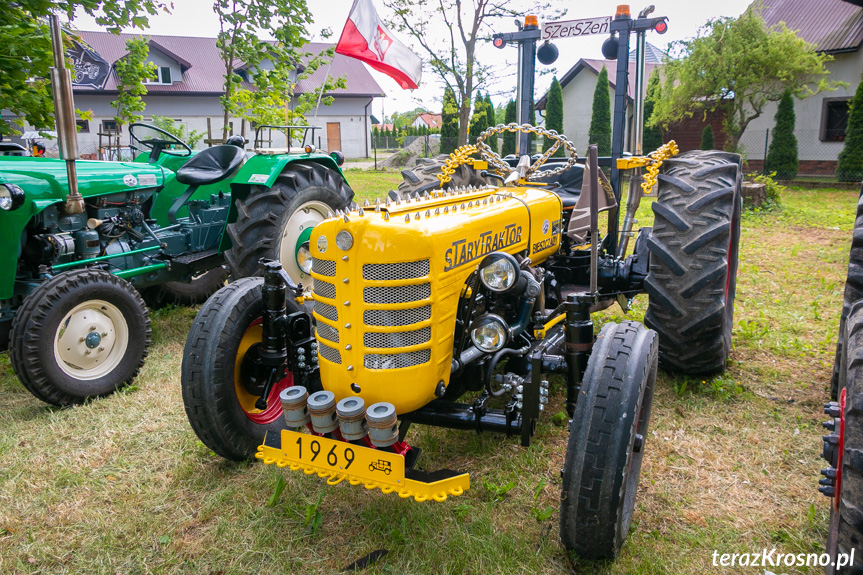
(73, 284)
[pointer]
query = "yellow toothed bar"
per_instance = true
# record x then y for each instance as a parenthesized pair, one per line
(339, 461)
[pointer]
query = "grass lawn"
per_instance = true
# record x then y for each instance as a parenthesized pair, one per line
(122, 485)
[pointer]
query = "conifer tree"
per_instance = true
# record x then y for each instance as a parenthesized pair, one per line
(707, 141)
(554, 115)
(509, 137)
(449, 123)
(850, 168)
(600, 120)
(782, 153)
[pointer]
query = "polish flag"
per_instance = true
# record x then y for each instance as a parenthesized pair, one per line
(366, 38)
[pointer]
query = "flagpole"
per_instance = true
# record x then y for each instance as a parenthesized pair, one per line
(321, 93)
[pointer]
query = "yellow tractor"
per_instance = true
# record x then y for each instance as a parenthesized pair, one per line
(453, 305)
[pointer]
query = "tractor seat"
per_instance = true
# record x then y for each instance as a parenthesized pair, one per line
(568, 184)
(210, 165)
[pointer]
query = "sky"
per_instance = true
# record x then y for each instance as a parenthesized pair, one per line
(196, 18)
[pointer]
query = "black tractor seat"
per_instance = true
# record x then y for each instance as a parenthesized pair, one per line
(210, 165)
(568, 184)
(207, 167)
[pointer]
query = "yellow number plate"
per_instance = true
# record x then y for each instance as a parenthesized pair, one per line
(329, 455)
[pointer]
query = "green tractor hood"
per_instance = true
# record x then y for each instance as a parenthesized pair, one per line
(44, 183)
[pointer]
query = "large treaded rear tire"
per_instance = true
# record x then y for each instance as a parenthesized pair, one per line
(263, 216)
(693, 261)
(846, 526)
(44, 316)
(603, 460)
(423, 178)
(853, 290)
(208, 376)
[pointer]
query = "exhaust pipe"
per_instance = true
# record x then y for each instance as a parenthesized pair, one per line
(64, 113)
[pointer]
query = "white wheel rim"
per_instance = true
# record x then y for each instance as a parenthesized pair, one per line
(308, 215)
(91, 340)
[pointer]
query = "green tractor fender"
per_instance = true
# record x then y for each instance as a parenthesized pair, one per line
(44, 183)
(263, 170)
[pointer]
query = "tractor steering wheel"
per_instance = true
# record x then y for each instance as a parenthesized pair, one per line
(531, 173)
(156, 141)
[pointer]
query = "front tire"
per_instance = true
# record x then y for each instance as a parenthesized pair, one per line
(853, 290)
(424, 177)
(218, 401)
(79, 335)
(272, 223)
(846, 523)
(606, 441)
(693, 261)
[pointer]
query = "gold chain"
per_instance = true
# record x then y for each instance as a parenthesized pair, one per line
(654, 162)
(457, 158)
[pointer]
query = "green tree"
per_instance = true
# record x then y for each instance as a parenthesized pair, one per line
(479, 120)
(554, 115)
(652, 135)
(179, 130)
(782, 153)
(257, 75)
(489, 110)
(600, 120)
(25, 50)
(132, 71)
(508, 146)
(449, 122)
(707, 141)
(850, 166)
(738, 65)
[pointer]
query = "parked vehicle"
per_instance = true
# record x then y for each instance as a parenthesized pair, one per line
(71, 284)
(842, 479)
(453, 301)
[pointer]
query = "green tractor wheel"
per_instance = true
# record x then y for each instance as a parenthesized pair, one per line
(273, 223)
(81, 334)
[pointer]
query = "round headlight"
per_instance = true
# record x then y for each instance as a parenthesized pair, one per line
(11, 197)
(344, 240)
(498, 272)
(489, 333)
(322, 243)
(304, 258)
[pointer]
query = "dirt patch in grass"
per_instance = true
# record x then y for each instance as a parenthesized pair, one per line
(122, 485)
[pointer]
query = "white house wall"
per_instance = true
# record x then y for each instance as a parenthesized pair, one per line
(578, 108)
(808, 113)
(193, 111)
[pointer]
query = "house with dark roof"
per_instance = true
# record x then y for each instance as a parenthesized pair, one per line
(189, 82)
(835, 27)
(578, 85)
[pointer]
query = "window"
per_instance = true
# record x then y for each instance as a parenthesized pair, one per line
(83, 126)
(110, 127)
(163, 76)
(834, 119)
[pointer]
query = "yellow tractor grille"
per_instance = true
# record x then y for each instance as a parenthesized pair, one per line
(375, 295)
(327, 332)
(397, 360)
(329, 353)
(325, 289)
(397, 339)
(324, 267)
(396, 317)
(327, 311)
(397, 294)
(390, 272)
